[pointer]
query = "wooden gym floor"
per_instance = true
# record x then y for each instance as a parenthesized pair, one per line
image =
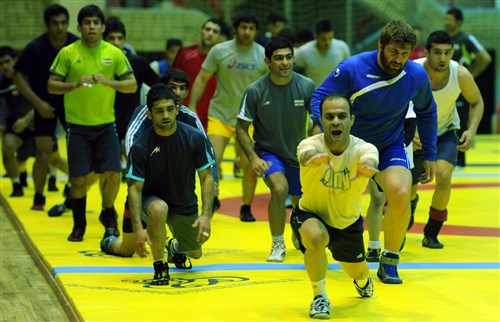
(233, 282)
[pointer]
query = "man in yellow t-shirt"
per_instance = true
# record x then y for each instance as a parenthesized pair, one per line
(334, 171)
(85, 73)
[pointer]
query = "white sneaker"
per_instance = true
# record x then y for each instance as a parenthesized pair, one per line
(320, 308)
(367, 290)
(278, 252)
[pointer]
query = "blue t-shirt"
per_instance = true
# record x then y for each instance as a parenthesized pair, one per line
(380, 101)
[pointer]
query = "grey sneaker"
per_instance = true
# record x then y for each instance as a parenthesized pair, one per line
(367, 290)
(108, 240)
(431, 242)
(278, 252)
(320, 308)
(388, 269)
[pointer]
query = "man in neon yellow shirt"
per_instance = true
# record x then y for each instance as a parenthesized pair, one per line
(85, 73)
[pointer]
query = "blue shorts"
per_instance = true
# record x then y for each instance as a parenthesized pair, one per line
(92, 148)
(393, 155)
(292, 174)
(447, 150)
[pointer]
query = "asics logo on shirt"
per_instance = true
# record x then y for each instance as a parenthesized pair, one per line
(242, 66)
(232, 63)
(156, 150)
(372, 76)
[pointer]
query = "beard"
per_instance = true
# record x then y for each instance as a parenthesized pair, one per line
(388, 65)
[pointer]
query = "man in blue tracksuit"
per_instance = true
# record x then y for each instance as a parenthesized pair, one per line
(380, 85)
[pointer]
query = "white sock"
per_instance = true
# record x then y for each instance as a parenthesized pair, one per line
(388, 251)
(374, 244)
(319, 288)
(280, 238)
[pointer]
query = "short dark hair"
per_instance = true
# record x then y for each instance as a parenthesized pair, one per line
(323, 26)
(226, 30)
(54, 10)
(332, 97)
(7, 51)
(275, 17)
(304, 35)
(456, 12)
(438, 37)
(248, 17)
(158, 92)
(91, 11)
(288, 34)
(276, 43)
(399, 32)
(176, 75)
(114, 24)
(173, 42)
(216, 21)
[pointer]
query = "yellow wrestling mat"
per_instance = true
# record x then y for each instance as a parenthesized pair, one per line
(233, 282)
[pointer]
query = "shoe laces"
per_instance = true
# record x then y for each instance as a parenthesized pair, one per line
(161, 271)
(278, 248)
(320, 303)
(279, 245)
(391, 270)
(179, 259)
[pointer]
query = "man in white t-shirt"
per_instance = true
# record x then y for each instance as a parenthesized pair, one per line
(236, 64)
(320, 56)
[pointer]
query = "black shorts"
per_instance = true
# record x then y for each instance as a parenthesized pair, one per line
(346, 244)
(127, 222)
(47, 127)
(28, 148)
(418, 166)
(92, 148)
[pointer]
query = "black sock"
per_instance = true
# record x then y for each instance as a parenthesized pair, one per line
(432, 227)
(108, 212)
(23, 178)
(68, 203)
(245, 209)
(79, 208)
